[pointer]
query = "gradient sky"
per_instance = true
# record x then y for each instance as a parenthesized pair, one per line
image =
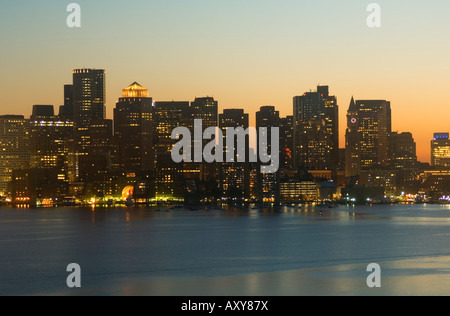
(245, 53)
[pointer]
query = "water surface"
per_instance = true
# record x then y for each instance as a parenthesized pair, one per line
(296, 251)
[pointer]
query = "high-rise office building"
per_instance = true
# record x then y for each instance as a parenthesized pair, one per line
(314, 152)
(169, 178)
(440, 150)
(316, 130)
(52, 143)
(404, 159)
(89, 95)
(309, 106)
(287, 142)
(403, 144)
(133, 133)
(66, 110)
(268, 184)
(235, 176)
(206, 109)
(331, 117)
(94, 162)
(14, 152)
(367, 137)
(94, 134)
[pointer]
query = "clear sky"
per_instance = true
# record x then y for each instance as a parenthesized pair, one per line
(245, 53)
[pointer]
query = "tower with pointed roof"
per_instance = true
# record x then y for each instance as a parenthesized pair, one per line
(352, 143)
(135, 90)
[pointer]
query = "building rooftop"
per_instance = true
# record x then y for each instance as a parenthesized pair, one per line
(7, 117)
(135, 90)
(441, 136)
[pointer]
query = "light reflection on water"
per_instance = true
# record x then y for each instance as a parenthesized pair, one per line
(402, 277)
(293, 251)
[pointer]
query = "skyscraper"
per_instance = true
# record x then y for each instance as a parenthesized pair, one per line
(268, 184)
(331, 117)
(14, 153)
(66, 111)
(316, 130)
(367, 137)
(52, 143)
(235, 176)
(309, 106)
(287, 142)
(89, 95)
(440, 150)
(169, 175)
(95, 160)
(133, 132)
(404, 159)
(206, 109)
(403, 144)
(94, 134)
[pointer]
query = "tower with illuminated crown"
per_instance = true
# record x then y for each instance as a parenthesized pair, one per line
(133, 133)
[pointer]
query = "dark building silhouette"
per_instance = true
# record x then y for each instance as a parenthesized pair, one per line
(403, 144)
(341, 179)
(404, 161)
(37, 187)
(287, 142)
(316, 130)
(66, 111)
(368, 135)
(43, 111)
(235, 176)
(268, 184)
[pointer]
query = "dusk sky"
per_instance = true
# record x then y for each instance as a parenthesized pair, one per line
(245, 53)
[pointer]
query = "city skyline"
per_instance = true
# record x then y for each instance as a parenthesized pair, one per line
(423, 140)
(80, 155)
(251, 54)
(224, 150)
(426, 156)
